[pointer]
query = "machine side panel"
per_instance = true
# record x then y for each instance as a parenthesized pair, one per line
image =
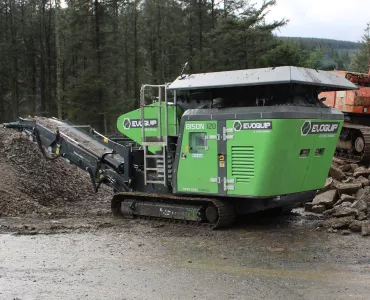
(281, 156)
(198, 166)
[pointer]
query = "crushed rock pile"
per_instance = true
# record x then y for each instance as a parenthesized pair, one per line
(345, 199)
(32, 185)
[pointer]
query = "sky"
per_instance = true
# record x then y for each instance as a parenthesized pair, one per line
(331, 19)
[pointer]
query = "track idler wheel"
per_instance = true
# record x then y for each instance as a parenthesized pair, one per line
(211, 214)
(359, 144)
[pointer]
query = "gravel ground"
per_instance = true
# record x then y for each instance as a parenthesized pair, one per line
(31, 185)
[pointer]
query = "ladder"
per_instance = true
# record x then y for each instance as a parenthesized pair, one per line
(161, 168)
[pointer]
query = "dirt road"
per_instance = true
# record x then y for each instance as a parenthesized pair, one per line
(104, 258)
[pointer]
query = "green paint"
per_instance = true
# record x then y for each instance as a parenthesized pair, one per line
(198, 163)
(262, 162)
(263, 157)
(129, 126)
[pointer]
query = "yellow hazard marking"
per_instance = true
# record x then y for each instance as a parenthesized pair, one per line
(106, 140)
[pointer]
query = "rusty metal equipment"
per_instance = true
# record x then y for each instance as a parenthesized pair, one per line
(354, 140)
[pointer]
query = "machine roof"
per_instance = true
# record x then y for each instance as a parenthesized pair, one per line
(263, 76)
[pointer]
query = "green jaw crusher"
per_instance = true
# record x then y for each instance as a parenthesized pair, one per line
(248, 139)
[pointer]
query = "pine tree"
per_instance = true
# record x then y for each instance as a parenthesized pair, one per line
(361, 61)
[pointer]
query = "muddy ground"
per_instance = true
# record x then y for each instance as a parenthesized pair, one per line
(107, 258)
(58, 240)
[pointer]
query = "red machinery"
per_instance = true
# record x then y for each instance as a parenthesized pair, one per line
(354, 141)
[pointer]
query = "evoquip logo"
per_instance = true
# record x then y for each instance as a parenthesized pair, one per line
(310, 127)
(260, 125)
(126, 123)
(136, 123)
(237, 125)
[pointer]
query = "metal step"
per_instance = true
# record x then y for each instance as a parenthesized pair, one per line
(154, 144)
(154, 169)
(155, 181)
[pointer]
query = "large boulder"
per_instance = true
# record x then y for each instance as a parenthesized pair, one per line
(327, 198)
(349, 188)
(336, 173)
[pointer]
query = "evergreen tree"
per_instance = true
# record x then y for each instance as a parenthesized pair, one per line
(86, 60)
(361, 60)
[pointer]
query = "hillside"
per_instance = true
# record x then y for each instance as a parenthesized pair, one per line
(335, 53)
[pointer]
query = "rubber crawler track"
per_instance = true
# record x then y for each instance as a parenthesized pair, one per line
(351, 158)
(226, 210)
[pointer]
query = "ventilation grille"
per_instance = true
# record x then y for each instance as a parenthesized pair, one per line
(242, 163)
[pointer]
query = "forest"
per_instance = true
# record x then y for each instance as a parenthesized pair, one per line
(85, 60)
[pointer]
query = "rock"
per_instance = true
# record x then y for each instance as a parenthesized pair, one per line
(345, 232)
(345, 168)
(349, 180)
(361, 216)
(337, 223)
(343, 211)
(345, 198)
(308, 206)
(336, 173)
(345, 204)
(318, 208)
(356, 226)
(361, 171)
(328, 185)
(363, 193)
(338, 161)
(329, 212)
(327, 198)
(365, 229)
(360, 205)
(354, 167)
(349, 188)
(363, 180)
